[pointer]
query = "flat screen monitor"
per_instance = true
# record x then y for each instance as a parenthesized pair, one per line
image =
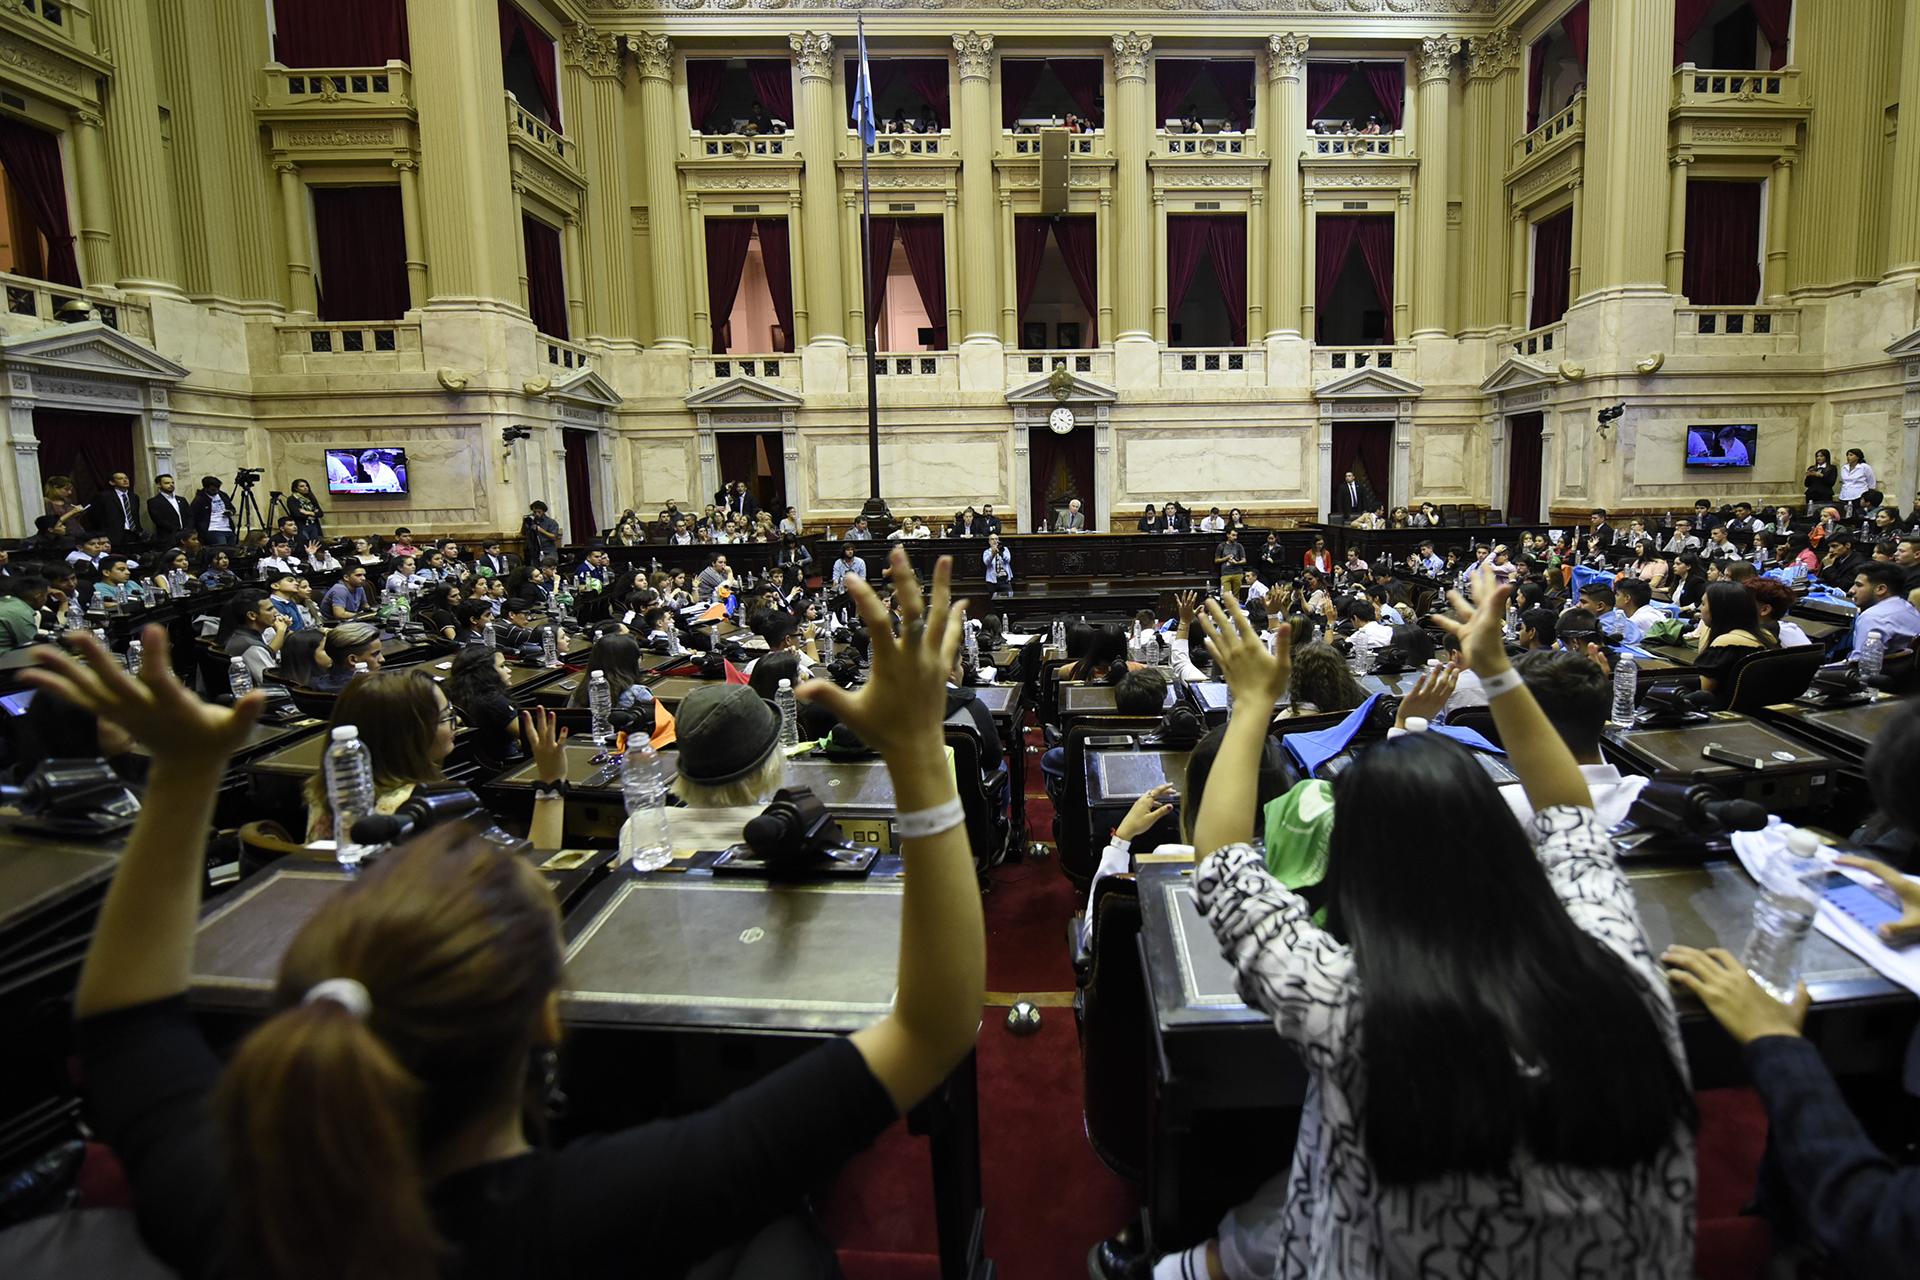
(368, 471)
(1722, 445)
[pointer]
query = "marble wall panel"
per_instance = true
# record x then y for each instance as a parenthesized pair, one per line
(943, 472)
(207, 451)
(1875, 432)
(666, 470)
(1440, 463)
(1659, 451)
(447, 470)
(1216, 469)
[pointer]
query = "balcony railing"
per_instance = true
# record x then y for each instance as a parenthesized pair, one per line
(1567, 123)
(1337, 362)
(349, 346)
(781, 370)
(35, 304)
(1201, 144)
(919, 364)
(1734, 330)
(1694, 88)
(912, 144)
(338, 89)
(1549, 340)
(1342, 146)
(742, 146)
(561, 356)
(1078, 144)
(1213, 366)
(1024, 366)
(529, 130)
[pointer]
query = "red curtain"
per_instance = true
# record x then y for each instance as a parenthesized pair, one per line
(880, 234)
(1227, 247)
(539, 52)
(1324, 80)
(773, 82)
(1575, 25)
(1375, 237)
(1234, 78)
(1363, 448)
(925, 241)
(1333, 241)
(1083, 79)
(777, 253)
(1029, 248)
(1687, 17)
(1187, 237)
(1523, 468)
(1078, 238)
(727, 242)
(704, 79)
(1536, 79)
(1388, 80)
(363, 253)
(84, 447)
(1172, 80)
(31, 158)
(339, 33)
(928, 76)
(1723, 244)
(1048, 454)
(738, 453)
(1775, 18)
(580, 518)
(1018, 79)
(546, 277)
(1552, 256)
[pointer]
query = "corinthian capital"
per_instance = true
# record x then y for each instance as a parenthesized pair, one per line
(1286, 55)
(814, 52)
(976, 55)
(1436, 57)
(1492, 54)
(1130, 52)
(653, 54)
(597, 55)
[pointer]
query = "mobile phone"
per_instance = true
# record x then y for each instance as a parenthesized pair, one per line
(1714, 751)
(1858, 903)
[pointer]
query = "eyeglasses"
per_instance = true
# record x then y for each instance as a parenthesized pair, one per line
(451, 716)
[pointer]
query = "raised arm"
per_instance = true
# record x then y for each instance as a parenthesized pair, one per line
(1534, 747)
(898, 712)
(539, 729)
(142, 946)
(1256, 679)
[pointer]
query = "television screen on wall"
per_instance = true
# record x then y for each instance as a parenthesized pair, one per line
(367, 471)
(1722, 445)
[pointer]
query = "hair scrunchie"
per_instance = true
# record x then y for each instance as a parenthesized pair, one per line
(345, 992)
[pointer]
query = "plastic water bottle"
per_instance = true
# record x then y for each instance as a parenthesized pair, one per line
(1626, 673)
(133, 657)
(549, 647)
(486, 633)
(76, 615)
(826, 641)
(789, 714)
(1059, 636)
(600, 699)
(348, 770)
(644, 839)
(1004, 628)
(973, 644)
(1873, 652)
(1782, 914)
(239, 679)
(177, 582)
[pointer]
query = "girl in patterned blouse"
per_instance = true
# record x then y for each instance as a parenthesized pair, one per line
(1497, 1082)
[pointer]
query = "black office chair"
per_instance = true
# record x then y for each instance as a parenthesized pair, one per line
(986, 822)
(1772, 675)
(312, 702)
(1478, 719)
(1072, 828)
(1111, 1007)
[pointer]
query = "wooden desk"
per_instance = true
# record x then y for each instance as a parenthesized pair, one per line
(1098, 699)
(670, 690)
(1795, 778)
(1846, 733)
(1116, 777)
(262, 739)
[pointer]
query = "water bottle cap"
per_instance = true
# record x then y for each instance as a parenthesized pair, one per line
(1803, 843)
(346, 733)
(786, 685)
(598, 677)
(1875, 635)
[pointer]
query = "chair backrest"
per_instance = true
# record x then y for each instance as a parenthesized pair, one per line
(985, 836)
(1115, 1075)
(1772, 675)
(312, 702)
(1479, 719)
(1073, 834)
(213, 664)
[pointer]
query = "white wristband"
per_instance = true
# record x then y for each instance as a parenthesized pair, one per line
(930, 822)
(1506, 682)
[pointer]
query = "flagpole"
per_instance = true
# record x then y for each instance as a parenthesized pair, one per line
(876, 508)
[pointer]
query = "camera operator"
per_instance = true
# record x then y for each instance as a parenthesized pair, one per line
(213, 513)
(540, 533)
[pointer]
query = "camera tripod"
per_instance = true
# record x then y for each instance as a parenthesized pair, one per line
(249, 512)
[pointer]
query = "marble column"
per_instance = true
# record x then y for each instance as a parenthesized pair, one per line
(653, 55)
(606, 266)
(100, 262)
(149, 248)
(1487, 108)
(410, 227)
(1287, 125)
(1903, 227)
(1779, 204)
(1677, 225)
(1629, 87)
(979, 129)
(818, 133)
(1519, 231)
(1136, 358)
(471, 231)
(574, 265)
(1430, 215)
(302, 299)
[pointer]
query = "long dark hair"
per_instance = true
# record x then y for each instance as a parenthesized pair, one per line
(238, 612)
(1733, 609)
(618, 656)
(1491, 1019)
(472, 678)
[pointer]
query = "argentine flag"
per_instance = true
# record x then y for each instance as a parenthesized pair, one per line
(863, 96)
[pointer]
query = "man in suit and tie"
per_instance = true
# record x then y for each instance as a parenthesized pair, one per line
(491, 557)
(117, 511)
(735, 500)
(1352, 497)
(1071, 521)
(169, 512)
(989, 521)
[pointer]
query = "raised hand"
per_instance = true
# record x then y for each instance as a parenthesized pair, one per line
(154, 706)
(1428, 697)
(1146, 811)
(1479, 626)
(539, 729)
(1188, 603)
(1254, 677)
(1731, 996)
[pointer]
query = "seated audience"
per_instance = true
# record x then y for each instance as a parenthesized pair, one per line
(477, 687)
(408, 726)
(251, 628)
(353, 649)
(1774, 598)
(1320, 682)
(25, 595)
(1576, 695)
(618, 656)
(1730, 630)
(729, 738)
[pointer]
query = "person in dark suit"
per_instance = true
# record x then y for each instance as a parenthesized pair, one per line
(1352, 496)
(492, 557)
(734, 499)
(989, 521)
(116, 511)
(1071, 520)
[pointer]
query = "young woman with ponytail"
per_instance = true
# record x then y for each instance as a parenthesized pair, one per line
(373, 1127)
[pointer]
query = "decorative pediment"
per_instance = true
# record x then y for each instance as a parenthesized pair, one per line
(1369, 384)
(743, 393)
(587, 388)
(1041, 392)
(1907, 346)
(1517, 373)
(90, 347)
